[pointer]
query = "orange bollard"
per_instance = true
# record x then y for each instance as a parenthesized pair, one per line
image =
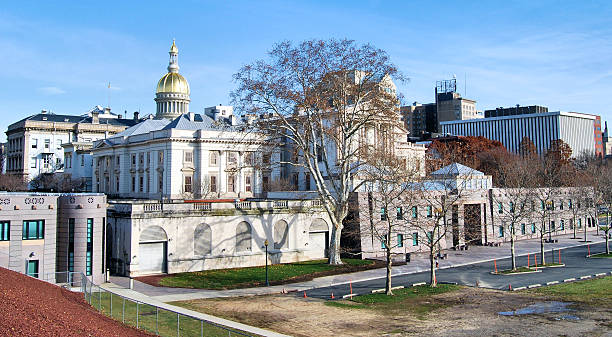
(510, 286)
(351, 285)
(495, 264)
(527, 260)
(589, 250)
(535, 259)
(305, 295)
(332, 296)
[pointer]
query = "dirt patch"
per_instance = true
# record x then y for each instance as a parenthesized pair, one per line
(30, 307)
(466, 312)
(155, 280)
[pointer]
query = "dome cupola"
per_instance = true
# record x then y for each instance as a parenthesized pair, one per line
(172, 94)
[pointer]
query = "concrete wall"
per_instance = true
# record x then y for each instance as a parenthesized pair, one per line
(179, 221)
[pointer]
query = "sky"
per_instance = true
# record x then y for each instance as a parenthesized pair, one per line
(61, 55)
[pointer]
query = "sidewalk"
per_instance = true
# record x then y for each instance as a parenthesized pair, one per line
(475, 254)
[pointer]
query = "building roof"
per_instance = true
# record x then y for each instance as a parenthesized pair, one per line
(456, 169)
(145, 126)
(51, 117)
(200, 122)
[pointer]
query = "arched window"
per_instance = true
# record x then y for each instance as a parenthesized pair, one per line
(202, 240)
(281, 235)
(153, 234)
(243, 237)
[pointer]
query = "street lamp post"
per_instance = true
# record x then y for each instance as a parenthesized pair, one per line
(266, 245)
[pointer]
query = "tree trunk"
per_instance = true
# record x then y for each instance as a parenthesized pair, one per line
(433, 282)
(389, 266)
(586, 225)
(334, 247)
(574, 225)
(512, 251)
(607, 239)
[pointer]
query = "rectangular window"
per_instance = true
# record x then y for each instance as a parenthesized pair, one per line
(47, 144)
(552, 226)
(266, 159)
(307, 181)
(569, 204)
(89, 253)
(33, 229)
(415, 239)
(141, 159)
(160, 182)
(542, 204)
(231, 183)
(248, 158)
(58, 142)
(5, 230)
(501, 231)
(116, 184)
(232, 158)
(133, 184)
(382, 244)
(429, 212)
(400, 240)
(133, 160)
(213, 184)
(561, 204)
(34, 143)
(500, 208)
(160, 157)
(511, 207)
(400, 213)
(430, 237)
(188, 158)
(187, 186)
(265, 183)
(32, 268)
(33, 162)
(71, 244)
(383, 214)
(562, 225)
(247, 183)
(415, 212)
(523, 231)
(140, 183)
(118, 161)
(533, 228)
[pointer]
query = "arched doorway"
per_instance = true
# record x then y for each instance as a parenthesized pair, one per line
(153, 251)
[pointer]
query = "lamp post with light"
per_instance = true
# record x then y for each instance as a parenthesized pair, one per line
(266, 245)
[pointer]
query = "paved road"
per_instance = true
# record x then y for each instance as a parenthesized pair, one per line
(577, 265)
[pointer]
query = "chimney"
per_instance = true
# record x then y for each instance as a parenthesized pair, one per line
(136, 115)
(95, 118)
(191, 116)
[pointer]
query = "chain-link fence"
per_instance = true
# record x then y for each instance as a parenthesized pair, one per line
(150, 318)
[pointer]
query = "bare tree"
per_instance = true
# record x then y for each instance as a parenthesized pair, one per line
(387, 177)
(514, 202)
(321, 98)
(605, 189)
(12, 183)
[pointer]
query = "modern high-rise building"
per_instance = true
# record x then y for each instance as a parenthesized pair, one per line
(423, 119)
(578, 130)
(607, 141)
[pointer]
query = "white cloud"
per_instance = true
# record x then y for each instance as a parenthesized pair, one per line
(52, 90)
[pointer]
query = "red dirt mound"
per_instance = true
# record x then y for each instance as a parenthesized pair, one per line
(30, 307)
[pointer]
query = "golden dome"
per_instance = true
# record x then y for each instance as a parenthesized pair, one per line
(173, 83)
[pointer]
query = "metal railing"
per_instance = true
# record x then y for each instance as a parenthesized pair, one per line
(151, 318)
(67, 279)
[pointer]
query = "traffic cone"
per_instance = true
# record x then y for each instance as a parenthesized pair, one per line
(332, 296)
(510, 287)
(305, 295)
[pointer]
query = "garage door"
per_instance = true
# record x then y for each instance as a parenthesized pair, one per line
(152, 258)
(318, 245)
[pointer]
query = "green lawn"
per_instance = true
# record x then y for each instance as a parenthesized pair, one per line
(593, 291)
(602, 255)
(148, 318)
(256, 276)
(417, 300)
